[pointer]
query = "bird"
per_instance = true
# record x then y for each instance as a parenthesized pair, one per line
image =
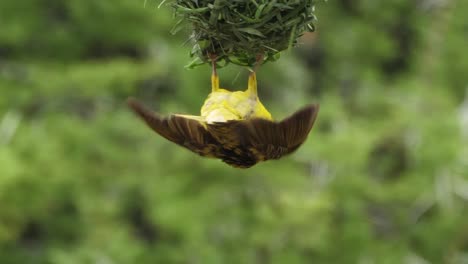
(233, 126)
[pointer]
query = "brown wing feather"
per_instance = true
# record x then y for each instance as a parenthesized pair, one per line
(188, 133)
(296, 127)
(272, 140)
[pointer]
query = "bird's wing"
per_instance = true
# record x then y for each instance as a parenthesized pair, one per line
(200, 119)
(271, 140)
(275, 139)
(186, 132)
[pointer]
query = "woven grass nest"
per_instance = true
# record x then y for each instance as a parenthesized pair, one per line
(238, 31)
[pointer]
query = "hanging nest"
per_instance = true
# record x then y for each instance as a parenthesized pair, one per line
(238, 31)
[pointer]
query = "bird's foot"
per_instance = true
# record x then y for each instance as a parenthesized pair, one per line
(258, 61)
(213, 57)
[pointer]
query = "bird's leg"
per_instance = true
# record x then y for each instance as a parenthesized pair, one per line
(252, 86)
(214, 74)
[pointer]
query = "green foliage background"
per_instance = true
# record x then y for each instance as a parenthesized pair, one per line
(383, 177)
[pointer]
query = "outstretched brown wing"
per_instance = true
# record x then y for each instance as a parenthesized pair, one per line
(186, 132)
(273, 140)
(254, 140)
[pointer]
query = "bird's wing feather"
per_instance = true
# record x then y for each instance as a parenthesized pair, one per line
(276, 139)
(268, 139)
(186, 132)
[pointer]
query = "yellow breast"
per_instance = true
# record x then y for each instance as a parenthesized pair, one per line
(223, 105)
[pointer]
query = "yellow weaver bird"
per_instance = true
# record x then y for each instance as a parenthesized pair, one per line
(233, 126)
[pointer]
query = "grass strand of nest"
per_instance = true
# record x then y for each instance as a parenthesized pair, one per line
(237, 31)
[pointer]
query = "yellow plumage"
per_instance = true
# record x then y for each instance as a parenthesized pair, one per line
(233, 126)
(223, 105)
